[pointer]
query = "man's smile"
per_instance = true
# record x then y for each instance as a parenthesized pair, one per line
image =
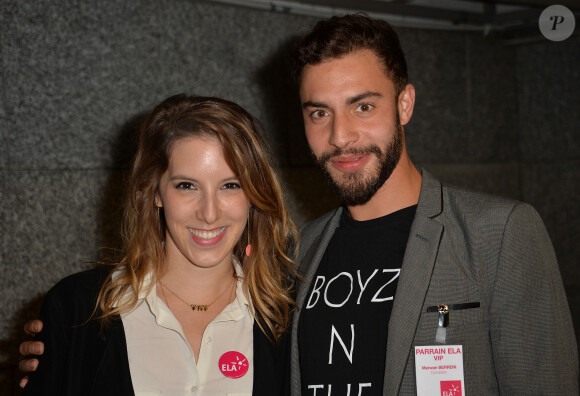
(349, 163)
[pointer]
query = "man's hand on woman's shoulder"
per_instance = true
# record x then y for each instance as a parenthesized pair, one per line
(30, 348)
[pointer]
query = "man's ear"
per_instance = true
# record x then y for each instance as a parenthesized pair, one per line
(406, 103)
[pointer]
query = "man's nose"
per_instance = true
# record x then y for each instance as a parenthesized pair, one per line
(343, 131)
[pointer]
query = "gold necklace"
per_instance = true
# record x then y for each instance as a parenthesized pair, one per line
(194, 307)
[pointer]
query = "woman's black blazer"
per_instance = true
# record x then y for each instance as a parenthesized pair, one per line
(80, 358)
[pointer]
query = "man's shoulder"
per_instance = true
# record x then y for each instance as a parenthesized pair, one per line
(468, 197)
(478, 207)
(453, 194)
(469, 207)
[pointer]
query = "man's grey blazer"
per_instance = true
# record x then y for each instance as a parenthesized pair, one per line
(469, 247)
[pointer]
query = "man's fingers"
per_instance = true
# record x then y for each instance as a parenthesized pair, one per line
(33, 326)
(28, 365)
(31, 348)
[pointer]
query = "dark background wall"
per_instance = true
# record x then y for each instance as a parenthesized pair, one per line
(76, 75)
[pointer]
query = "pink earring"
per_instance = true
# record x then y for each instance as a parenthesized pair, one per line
(249, 245)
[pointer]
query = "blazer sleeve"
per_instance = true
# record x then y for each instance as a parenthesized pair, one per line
(48, 378)
(534, 346)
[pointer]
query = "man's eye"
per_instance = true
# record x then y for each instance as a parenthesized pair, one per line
(318, 113)
(185, 186)
(231, 186)
(364, 107)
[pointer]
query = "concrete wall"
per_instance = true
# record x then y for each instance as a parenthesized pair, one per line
(76, 75)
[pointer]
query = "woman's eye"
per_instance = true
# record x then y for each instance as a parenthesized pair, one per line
(185, 186)
(231, 186)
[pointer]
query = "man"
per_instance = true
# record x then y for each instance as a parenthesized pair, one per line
(407, 262)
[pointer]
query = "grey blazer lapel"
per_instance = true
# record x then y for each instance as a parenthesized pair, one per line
(315, 239)
(416, 270)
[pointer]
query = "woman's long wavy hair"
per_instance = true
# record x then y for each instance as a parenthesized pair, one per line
(269, 270)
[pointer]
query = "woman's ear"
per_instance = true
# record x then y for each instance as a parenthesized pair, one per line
(158, 201)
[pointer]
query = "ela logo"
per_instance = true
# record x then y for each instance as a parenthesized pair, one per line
(451, 388)
(233, 364)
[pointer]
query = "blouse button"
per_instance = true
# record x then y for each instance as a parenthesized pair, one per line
(194, 389)
(209, 340)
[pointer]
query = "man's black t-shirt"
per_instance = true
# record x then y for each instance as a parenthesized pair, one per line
(344, 321)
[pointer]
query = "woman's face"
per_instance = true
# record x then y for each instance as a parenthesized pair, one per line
(205, 207)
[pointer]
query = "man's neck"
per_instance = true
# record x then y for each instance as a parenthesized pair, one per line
(400, 191)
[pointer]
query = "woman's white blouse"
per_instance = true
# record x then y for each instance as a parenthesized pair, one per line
(162, 362)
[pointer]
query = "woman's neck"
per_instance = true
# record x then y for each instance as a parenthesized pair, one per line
(196, 282)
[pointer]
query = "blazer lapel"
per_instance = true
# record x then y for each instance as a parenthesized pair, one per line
(315, 246)
(113, 376)
(416, 270)
(312, 256)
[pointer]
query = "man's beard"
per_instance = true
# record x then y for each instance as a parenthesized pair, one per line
(357, 188)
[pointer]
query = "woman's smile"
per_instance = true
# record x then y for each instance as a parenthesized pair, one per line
(207, 237)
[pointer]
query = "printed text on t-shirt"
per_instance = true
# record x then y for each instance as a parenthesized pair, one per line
(321, 286)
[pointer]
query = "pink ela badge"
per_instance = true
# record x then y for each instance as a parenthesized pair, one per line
(233, 364)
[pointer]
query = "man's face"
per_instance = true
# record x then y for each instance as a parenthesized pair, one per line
(352, 124)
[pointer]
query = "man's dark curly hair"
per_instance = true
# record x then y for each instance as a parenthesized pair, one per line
(341, 35)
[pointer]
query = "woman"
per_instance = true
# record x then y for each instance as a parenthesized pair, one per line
(201, 300)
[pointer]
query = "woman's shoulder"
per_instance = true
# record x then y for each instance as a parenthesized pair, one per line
(84, 283)
(72, 300)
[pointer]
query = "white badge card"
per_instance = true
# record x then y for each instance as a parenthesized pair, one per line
(439, 370)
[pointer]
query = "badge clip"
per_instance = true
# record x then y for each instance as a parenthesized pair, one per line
(443, 310)
(441, 334)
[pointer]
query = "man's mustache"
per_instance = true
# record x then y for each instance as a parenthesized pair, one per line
(372, 149)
